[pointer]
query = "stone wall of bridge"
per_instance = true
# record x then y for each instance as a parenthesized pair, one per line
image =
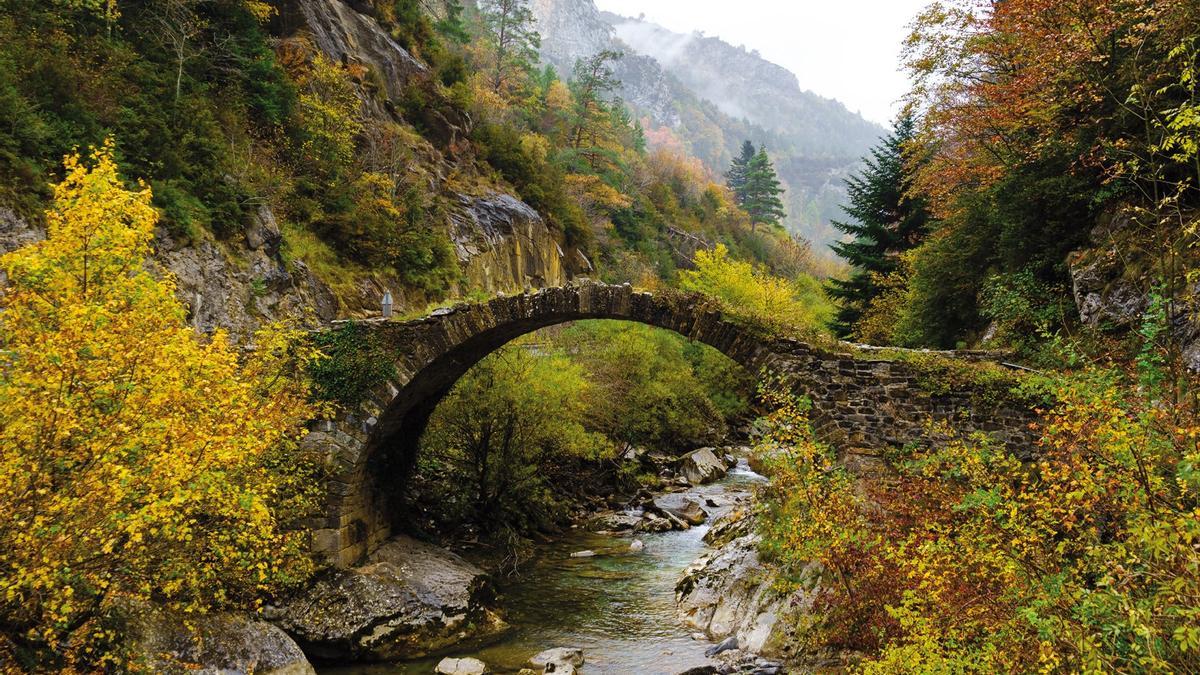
(861, 402)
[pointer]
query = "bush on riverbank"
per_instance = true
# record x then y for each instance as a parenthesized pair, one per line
(968, 559)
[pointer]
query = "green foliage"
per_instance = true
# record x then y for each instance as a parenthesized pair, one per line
(886, 222)
(758, 190)
(653, 388)
(510, 431)
(511, 30)
(353, 363)
(757, 296)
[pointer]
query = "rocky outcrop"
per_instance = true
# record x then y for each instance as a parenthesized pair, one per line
(505, 246)
(355, 39)
(217, 644)
(702, 466)
(239, 293)
(1108, 296)
(411, 599)
(730, 593)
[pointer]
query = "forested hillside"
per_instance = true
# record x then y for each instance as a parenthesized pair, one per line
(703, 96)
(312, 154)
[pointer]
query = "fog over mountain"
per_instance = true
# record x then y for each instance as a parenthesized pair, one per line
(708, 96)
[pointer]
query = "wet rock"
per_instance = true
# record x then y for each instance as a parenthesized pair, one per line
(615, 522)
(214, 644)
(409, 600)
(727, 644)
(636, 545)
(559, 660)
(682, 507)
(702, 466)
(729, 593)
(505, 244)
(653, 522)
(352, 38)
(466, 666)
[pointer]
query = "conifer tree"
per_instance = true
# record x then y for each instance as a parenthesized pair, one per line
(760, 194)
(886, 222)
(735, 178)
(512, 28)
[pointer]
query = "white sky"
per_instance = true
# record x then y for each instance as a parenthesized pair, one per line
(843, 49)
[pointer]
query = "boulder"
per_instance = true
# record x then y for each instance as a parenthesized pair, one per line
(702, 466)
(636, 545)
(620, 521)
(410, 599)
(730, 593)
(682, 507)
(213, 644)
(653, 522)
(467, 666)
(558, 660)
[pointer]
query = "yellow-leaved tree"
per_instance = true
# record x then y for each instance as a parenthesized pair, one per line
(138, 462)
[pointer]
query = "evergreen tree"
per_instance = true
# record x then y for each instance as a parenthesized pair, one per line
(760, 194)
(886, 222)
(449, 21)
(735, 178)
(514, 39)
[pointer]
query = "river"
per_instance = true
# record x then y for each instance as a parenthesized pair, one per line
(618, 606)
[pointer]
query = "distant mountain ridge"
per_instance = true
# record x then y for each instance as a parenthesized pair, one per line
(710, 96)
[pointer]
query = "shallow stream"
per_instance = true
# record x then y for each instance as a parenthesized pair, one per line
(619, 606)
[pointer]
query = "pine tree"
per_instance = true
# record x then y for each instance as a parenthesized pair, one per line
(760, 194)
(735, 178)
(886, 222)
(512, 28)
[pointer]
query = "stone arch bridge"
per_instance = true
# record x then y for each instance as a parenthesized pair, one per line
(858, 402)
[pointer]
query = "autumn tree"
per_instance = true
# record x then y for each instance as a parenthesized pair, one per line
(139, 462)
(514, 41)
(510, 422)
(886, 221)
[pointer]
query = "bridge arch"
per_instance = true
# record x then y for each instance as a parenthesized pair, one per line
(859, 401)
(373, 449)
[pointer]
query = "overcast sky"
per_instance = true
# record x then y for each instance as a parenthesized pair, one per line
(843, 49)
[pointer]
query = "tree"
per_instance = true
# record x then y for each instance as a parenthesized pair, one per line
(886, 222)
(735, 178)
(137, 462)
(759, 195)
(592, 83)
(509, 423)
(754, 294)
(511, 27)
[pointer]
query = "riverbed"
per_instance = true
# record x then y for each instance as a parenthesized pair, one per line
(618, 606)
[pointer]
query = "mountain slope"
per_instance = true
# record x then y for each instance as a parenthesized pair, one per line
(708, 96)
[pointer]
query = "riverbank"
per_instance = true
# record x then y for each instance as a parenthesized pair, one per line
(618, 605)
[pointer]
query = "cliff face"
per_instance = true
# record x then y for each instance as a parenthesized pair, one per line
(712, 96)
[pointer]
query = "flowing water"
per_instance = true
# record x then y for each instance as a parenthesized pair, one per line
(619, 606)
